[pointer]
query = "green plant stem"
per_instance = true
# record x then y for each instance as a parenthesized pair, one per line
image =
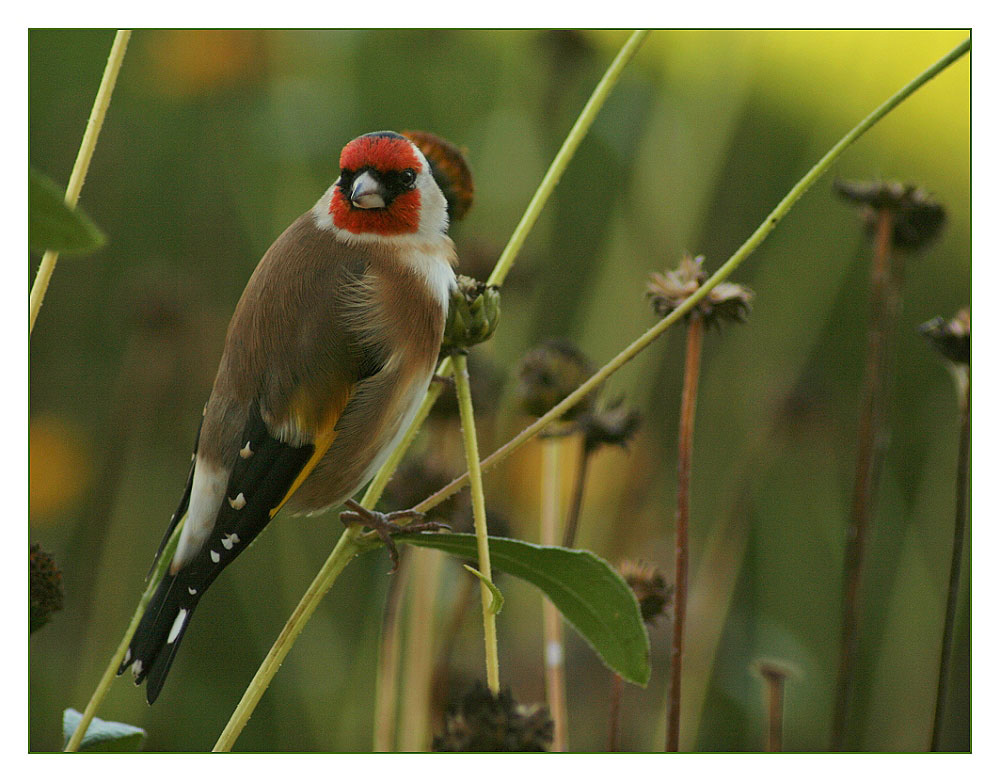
(737, 258)
(348, 540)
(387, 673)
(80, 167)
(957, 549)
(685, 447)
(564, 155)
(112, 670)
(346, 549)
(576, 503)
(552, 627)
(464, 393)
(414, 730)
(872, 438)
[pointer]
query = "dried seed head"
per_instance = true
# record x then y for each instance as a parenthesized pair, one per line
(482, 722)
(650, 587)
(473, 315)
(45, 588)
(773, 670)
(917, 218)
(952, 338)
(727, 301)
(550, 373)
(611, 424)
(449, 169)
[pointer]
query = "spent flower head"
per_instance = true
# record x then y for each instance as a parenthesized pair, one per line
(952, 338)
(548, 374)
(609, 424)
(917, 218)
(473, 315)
(727, 301)
(449, 169)
(45, 588)
(650, 586)
(483, 722)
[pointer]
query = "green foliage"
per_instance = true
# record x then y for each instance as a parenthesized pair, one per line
(496, 604)
(588, 592)
(102, 735)
(52, 225)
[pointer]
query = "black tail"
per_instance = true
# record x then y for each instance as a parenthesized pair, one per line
(159, 634)
(257, 484)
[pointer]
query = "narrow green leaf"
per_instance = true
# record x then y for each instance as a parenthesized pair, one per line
(496, 605)
(589, 593)
(103, 736)
(52, 225)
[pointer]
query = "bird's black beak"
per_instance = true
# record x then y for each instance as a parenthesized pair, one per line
(367, 192)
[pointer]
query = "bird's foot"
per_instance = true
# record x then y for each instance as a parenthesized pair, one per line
(448, 381)
(383, 525)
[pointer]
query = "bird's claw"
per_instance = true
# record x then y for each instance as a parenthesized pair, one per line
(383, 525)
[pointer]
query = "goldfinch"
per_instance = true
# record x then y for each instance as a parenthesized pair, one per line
(328, 355)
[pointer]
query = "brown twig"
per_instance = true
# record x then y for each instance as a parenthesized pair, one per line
(689, 396)
(955, 577)
(872, 441)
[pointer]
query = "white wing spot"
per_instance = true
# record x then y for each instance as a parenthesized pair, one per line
(137, 668)
(192, 591)
(237, 502)
(245, 452)
(214, 555)
(177, 626)
(229, 540)
(128, 656)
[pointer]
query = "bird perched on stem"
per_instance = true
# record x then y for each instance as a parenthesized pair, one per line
(327, 358)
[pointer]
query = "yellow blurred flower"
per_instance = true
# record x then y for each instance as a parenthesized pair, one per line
(59, 466)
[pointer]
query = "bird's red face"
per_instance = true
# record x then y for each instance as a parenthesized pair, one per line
(377, 192)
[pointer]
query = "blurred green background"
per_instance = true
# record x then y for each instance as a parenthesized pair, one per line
(215, 141)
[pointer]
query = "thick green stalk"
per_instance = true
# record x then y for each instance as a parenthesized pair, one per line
(346, 549)
(559, 163)
(79, 173)
(479, 519)
(751, 244)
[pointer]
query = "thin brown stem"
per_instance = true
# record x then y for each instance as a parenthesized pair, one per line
(685, 442)
(552, 627)
(775, 712)
(617, 690)
(872, 439)
(957, 549)
(573, 517)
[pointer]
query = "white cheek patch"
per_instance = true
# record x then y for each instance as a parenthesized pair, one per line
(207, 492)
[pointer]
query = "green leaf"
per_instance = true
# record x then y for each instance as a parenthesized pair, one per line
(52, 225)
(591, 595)
(496, 605)
(103, 736)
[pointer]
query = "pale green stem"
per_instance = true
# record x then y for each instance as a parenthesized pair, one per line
(479, 518)
(349, 543)
(751, 244)
(79, 173)
(111, 671)
(346, 549)
(559, 163)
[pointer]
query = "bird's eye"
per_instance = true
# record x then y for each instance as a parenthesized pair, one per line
(408, 177)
